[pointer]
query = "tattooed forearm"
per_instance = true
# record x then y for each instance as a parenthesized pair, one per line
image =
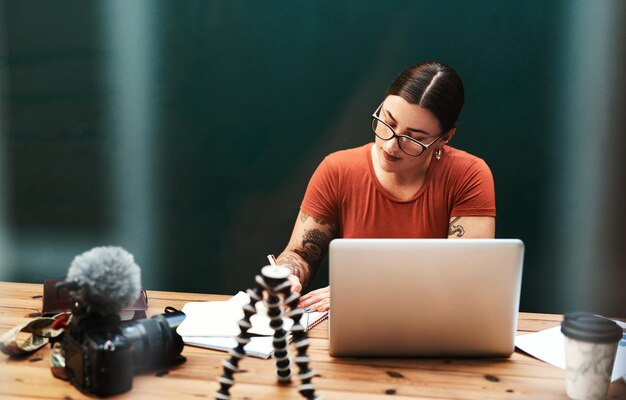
(304, 216)
(313, 243)
(457, 230)
(304, 259)
(313, 249)
(296, 266)
(307, 247)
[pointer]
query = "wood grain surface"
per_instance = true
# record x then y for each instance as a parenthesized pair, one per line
(517, 377)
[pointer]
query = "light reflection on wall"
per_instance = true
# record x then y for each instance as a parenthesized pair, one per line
(129, 42)
(586, 129)
(45, 250)
(6, 263)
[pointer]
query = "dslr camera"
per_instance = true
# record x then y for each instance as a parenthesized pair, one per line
(102, 353)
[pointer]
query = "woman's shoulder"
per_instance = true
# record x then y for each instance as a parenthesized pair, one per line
(459, 159)
(357, 156)
(340, 169)
(461, 165)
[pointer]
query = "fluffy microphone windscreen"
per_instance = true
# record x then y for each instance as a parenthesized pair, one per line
(108, 277)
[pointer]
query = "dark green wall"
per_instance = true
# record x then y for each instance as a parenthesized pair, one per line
(245, 98)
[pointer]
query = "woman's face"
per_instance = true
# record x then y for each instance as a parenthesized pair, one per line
(411, 120)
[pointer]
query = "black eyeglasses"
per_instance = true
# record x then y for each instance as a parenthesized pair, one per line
(407, 144)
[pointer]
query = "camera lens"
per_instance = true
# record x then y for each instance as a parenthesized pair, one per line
(154, 341)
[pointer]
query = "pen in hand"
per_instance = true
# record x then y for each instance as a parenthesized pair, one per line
(296, 286)
(307, 310)
(272, 260)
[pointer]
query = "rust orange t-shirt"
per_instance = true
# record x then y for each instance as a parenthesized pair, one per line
(344, 190)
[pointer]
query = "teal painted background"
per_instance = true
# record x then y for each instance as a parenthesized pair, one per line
(186, 131)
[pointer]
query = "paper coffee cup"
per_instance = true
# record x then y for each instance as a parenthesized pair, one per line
(590, 348)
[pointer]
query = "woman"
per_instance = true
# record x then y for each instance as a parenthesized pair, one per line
(409, 183)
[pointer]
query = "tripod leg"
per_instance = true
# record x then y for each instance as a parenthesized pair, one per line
(227, 380)
(301, 342)
(274, 282)
(272, 278)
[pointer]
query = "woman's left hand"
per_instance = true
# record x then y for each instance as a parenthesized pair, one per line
(316, 300)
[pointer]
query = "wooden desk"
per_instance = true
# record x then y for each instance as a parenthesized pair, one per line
(518, 377)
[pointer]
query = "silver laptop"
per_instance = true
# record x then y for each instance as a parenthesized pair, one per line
(424, 297)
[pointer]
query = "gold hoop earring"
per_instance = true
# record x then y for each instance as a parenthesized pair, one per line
(438, 153)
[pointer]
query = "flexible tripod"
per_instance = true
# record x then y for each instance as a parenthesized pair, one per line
(273, 281)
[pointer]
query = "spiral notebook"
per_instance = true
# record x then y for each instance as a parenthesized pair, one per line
(213, 325)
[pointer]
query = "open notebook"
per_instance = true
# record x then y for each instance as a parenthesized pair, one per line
(213, 325)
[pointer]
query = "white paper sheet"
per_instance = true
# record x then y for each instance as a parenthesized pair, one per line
(213, 325)
(549, 346)
(259, 346)
(220, 318)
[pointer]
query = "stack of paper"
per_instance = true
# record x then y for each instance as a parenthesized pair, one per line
(549, 346)
(213, 325)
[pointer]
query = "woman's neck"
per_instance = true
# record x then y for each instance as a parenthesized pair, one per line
(401, 184)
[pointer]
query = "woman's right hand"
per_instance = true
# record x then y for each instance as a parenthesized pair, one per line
(296, 286)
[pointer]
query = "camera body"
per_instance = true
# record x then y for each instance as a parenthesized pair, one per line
(102, 354)
(98, 357)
